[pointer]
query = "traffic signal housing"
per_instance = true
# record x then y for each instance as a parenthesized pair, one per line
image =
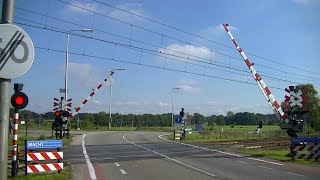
(19, 100)
(65, 113)
(57, 117)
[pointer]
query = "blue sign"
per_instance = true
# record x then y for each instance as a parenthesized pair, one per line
(305, 140)
(44, 144)
(178, 119)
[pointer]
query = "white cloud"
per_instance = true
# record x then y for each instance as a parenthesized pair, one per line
(129, 103)
(82, 7)
(134, 8)
(163, 104)
(96, 102)
(190, 89)
(84, 73)
(185, 51)
(189, 86)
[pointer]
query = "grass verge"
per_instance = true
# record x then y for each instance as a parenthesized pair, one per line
(280, 155)
(65, 174)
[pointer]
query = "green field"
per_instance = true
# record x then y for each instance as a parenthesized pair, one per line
(280, 155)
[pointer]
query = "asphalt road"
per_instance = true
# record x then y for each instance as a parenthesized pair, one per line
(147, 155)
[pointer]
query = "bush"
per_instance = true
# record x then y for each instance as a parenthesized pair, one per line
(42, 137)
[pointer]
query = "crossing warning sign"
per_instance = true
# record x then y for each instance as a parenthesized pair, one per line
(16, 51)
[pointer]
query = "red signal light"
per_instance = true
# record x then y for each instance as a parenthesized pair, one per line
(19, 100)
(57, 114)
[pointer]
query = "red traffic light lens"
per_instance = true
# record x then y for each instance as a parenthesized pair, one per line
(19, 100)
(57, 114)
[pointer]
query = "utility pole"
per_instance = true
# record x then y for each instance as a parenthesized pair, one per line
(110, 101)
(7, 18)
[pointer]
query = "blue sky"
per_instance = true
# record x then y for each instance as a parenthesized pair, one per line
(286, 33)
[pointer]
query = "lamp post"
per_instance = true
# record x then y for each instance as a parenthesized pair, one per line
(110, 95)
(176, 88)
(67, 62)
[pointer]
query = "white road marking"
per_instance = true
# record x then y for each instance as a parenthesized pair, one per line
(122, 171)
(117, 164)
(201, 147)
(255, 159)
(174, 160)
(265, 161)
(224, 158)
(242, 162)
(89, 164)
(294, 174)
(265, 167)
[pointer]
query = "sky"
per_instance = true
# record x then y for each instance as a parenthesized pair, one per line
(166, 44)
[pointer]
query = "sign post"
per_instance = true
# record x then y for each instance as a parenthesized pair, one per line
(7, 17)
(16, 57)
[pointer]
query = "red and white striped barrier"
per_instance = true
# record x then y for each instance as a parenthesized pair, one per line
(36, 168)
(44, 156)
(46, 161)
(94, 91)
(306, 156)
(262, 85)
(306, 148)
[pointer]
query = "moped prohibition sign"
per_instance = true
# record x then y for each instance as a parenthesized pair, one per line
(16, 51)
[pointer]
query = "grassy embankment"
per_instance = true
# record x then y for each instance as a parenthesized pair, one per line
(244, 132)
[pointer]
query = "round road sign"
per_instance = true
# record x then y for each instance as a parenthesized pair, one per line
(17, 51)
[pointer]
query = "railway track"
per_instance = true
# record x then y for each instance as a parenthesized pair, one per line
(252, 143)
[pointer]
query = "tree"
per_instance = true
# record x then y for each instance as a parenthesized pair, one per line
(230, 114)
(101, 119)
(313, 105)
(198, 118)
(220, 120)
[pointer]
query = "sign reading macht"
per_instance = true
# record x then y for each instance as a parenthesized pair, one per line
(44, 144)
(16, 51)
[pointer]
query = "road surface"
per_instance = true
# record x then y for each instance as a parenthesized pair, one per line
(148, 155)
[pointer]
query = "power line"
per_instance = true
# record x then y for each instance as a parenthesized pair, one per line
(173, 38)
(160, 54)
(150, 66)
(152, 45)
(196, 35)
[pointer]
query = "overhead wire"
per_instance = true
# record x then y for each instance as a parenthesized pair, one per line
(179, 40)
(153, 45)
(156, 53)
(197, 36)
(148, 65)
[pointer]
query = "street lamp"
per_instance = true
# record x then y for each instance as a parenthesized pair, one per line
(67, 62)
(110, 95)
(176, 88)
